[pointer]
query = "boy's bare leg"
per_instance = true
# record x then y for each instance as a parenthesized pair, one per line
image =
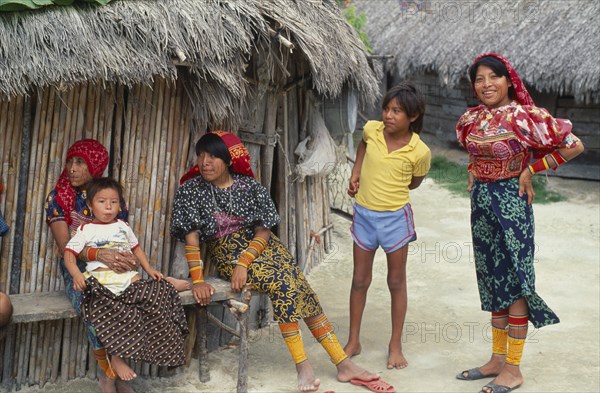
(180, 285)
(307, 382)
(106, 384)
(396, 280)
(361, 280)
(124, 387)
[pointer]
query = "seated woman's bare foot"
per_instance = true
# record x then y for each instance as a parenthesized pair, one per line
(107, 385)
(347, 370)
(493, 367)
(509, 376)
(180, 285)
(122, 369)
(352, 349)
(306, 378)
(396, 359)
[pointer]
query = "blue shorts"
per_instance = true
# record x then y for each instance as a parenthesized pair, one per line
(390, 230)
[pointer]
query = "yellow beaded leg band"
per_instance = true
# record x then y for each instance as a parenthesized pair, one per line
(499, 337)
(195, 264)
(293, 340)
(321, 329)
(515, 350)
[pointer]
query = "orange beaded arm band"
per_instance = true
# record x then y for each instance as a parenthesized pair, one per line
(195, 264)
(257, 244)
(91, 254)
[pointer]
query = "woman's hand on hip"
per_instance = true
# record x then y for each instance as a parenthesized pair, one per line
(526, 185)
(202, 293)
(118, 261)
(239, 278)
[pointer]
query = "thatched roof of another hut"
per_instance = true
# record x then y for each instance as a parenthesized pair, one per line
(553, 45)
(133, 41)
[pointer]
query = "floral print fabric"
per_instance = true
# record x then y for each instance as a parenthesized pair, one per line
(502, 227)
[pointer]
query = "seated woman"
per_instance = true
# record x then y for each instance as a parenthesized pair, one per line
(221, 204)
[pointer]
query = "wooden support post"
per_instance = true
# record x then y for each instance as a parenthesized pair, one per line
(7, 376)
(201, 321)
(242, 385)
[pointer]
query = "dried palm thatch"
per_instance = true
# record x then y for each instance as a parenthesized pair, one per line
(134, 41)
(550, 43)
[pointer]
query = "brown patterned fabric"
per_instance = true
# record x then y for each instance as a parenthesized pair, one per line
(144, 323)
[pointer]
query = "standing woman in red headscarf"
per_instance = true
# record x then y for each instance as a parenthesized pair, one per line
(66, 210)
(221, 204)
(502, 135)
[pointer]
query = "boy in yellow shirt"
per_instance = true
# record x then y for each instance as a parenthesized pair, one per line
(391, 159)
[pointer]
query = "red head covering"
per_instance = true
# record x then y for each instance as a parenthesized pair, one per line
(240, 158)
(96, 159)
(522, 95)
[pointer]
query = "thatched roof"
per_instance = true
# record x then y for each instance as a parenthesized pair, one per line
(133, 41)
(553, 45)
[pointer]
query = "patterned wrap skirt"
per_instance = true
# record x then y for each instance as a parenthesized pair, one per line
(274, 272)
(502, 228)
(146, 322)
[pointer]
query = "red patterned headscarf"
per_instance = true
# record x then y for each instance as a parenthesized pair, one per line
(96, 159)
(240, 158)
(522, 95)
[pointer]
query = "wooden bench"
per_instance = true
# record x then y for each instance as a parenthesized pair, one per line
(46, 306)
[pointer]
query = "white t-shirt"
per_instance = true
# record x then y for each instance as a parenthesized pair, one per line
(116, 235)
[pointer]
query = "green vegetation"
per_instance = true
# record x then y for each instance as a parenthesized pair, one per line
(453, 176)
(358, 21)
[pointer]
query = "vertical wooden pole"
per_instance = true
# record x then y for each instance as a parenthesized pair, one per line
(20, 218)
(201, 322)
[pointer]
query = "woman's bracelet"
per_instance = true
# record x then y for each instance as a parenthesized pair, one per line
(246, 259)
(195, 264)
(91, 254)
(258, 245)
(543, 165)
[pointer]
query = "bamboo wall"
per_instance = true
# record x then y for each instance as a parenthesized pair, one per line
(147, 130)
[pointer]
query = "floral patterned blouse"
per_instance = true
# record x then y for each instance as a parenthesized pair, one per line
(213, 212)
(500, 141)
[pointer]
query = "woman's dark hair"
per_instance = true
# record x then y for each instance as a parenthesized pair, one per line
(411, 101)
(102, 183)
(213, 145)
(496, 65)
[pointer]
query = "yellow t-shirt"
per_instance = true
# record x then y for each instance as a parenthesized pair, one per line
(384, 176)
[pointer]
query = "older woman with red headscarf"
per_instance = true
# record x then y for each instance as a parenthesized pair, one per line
(66, 210)
(502, 135)
(221, 204)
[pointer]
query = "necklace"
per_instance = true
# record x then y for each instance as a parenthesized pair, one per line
(223, 217)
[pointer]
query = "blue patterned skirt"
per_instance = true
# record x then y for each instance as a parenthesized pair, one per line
(502, 228)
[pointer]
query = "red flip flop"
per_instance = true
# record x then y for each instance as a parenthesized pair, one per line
(377, 386)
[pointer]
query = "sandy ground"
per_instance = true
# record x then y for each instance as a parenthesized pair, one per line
(445, 330)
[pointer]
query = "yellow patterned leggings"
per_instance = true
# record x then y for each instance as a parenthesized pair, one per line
(274, 272)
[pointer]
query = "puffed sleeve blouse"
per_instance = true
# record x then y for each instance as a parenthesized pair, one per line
(500, 141)
(197, 201)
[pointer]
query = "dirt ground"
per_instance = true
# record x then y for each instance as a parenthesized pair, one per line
(445, 330)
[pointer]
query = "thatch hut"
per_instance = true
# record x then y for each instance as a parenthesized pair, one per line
(550, 43)
(147, 78)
